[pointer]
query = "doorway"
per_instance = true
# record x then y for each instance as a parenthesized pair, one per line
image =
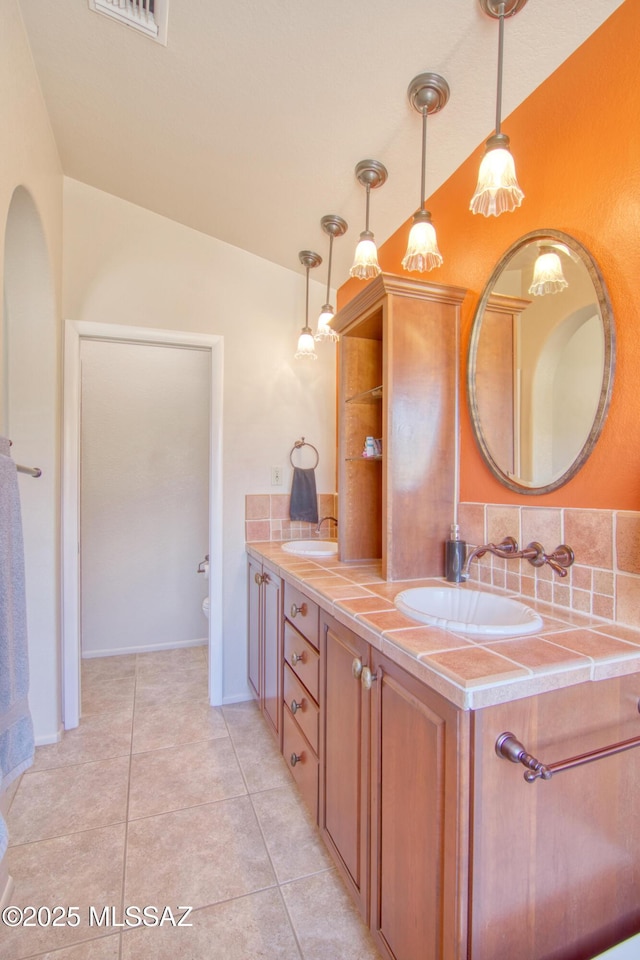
(118, 595)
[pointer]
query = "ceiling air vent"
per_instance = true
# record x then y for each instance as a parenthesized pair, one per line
(147, 16)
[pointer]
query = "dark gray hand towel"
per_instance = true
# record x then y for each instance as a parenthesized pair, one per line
(304, 502)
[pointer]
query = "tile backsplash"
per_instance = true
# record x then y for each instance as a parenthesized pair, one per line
(267, 518)
(604, 581)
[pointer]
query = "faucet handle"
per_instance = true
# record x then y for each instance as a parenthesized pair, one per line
(561, 558)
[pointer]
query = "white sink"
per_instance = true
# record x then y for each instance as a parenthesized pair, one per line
(468, 611)
(311, 548)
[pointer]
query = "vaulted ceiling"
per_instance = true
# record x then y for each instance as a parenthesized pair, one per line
(247, 126)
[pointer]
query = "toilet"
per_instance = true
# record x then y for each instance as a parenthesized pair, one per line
(204, 568)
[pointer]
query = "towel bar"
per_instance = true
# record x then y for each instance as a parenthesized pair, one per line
(30, 471)
(509, 748)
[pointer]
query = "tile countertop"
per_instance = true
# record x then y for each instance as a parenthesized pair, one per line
(570, 648)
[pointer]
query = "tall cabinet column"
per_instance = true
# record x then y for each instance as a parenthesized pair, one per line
(398, 384)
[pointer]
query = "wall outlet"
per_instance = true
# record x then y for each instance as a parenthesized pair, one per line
(276, 476)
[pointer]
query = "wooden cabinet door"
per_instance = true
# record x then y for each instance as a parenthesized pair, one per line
(556, 863)
(254, 590)
(418, 818)
(272, 650)
(344, 752)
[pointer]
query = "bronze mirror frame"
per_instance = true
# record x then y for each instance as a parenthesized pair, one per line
(609, 361)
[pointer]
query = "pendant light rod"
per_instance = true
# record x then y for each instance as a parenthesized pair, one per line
(423, 178)
(371, 174)
(308, 259)
(334, 226)
(427, 93)
(500, 62)
(498, 10)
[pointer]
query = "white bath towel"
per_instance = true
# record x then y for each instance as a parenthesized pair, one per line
(16, 728)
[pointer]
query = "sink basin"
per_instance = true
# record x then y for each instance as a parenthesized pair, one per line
(311, 548)
(469, 611)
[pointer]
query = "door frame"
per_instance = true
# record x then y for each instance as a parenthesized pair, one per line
(75, 332)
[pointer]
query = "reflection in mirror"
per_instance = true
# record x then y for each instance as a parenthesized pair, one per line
(541, 362)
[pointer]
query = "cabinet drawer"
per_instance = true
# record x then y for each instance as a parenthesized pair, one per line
(303, 707)
(302, 762)
(302, 658)
(304, 612)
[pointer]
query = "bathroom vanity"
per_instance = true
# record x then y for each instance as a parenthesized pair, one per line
(390, 727)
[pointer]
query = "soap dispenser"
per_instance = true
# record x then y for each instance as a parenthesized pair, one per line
(455, 554)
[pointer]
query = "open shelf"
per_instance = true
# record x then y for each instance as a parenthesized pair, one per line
(368, 396)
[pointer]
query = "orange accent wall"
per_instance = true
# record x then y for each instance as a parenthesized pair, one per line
(576, 141)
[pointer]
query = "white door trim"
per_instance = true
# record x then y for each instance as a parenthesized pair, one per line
(75, 331)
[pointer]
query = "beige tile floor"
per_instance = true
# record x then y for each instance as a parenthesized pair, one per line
(158, 799)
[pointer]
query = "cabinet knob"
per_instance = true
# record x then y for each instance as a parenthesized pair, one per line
(258, 577)
(295, 610)
(266, 578)
(367, 678)
(296, 758)
(295, 706)
(356, 668)
(297, 658)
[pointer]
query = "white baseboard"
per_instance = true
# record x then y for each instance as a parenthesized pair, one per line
(154, 648)
(46, 738)
(238, 698)
(6, 884)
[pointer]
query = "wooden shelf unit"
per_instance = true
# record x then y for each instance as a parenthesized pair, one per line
(398, 370)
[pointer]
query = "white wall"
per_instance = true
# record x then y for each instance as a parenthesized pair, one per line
(29, 160)
(123, 264)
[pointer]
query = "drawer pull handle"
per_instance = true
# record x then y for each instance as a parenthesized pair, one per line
(356, 668)
(295, 610)
(296, 758)
(295, 706)
(297, 658)
(510, 748)
(367, 678)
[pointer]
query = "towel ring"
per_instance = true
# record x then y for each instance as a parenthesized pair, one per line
(303, 443)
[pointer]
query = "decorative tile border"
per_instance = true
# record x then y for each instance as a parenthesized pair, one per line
(267, 518)
(605, 578)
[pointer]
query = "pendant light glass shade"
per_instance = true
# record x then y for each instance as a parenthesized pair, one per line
(371, 174)
(306, 344)
(334, 226)
(422, 249)
(428, 93)
(547, 274)
(365, 263)
(498, 190)
(324, 331)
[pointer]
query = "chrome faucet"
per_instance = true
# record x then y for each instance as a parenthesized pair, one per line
(561, 558)
(322, 520)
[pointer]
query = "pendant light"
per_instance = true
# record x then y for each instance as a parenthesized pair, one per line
(498, 190)
(306, 344)
(371, 174)
(334, 226)
(428, 93)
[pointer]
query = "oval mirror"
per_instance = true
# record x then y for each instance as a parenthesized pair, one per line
(541, 362)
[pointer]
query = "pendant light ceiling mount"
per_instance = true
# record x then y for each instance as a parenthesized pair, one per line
(309, 259)
(371, 173)
(333, 225)
(492, 7)
(428, 91)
